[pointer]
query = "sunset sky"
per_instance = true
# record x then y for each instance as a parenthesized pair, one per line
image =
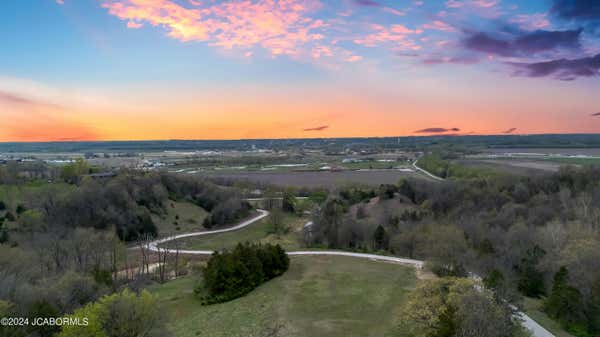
(210, 69)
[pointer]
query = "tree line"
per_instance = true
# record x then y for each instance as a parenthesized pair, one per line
(523, 235)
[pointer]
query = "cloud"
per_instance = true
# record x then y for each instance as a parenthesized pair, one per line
(318, 128)
(394, 11)
(562, 69)
(439, 25)
(60, 2)
(534, 21)
(368, 3)
(396, 34)
(511, 130)
(14, 99)
(576, 9)
(595, 114)
(281, 27)
(451, 60)
(524, 43)
(134, 25)
(437, 130)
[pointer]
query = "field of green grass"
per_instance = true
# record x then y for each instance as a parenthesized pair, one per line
(317, 296)
(12, 195)
(257, 232)
(181, 217)
(575, 160)
(533, 308)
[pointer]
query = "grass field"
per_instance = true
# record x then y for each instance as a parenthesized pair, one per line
(317, 296)
(575, 160)
(181, 217)
(533, 308)
(257, 232)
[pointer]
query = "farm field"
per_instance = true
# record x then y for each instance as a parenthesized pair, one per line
(513, 166)
(317, 296)
(320, 178)
(547, 151)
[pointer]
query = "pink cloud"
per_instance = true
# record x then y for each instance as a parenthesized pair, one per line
(134, 25)
(532, 21)
(394, 11)
(354, 58)
(60, 2)
(281, 27)
(395, 34)
(439, 25)
(475, 3)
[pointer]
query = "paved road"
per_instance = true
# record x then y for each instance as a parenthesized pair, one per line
(536, 329)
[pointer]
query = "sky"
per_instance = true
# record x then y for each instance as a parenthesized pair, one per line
(73, 70)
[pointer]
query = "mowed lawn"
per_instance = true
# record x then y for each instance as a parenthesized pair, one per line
(256, 232)
(317, 296)
(181, 217)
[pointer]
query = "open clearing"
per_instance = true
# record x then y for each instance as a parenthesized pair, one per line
(317, 296)
(181, 217)
(327, 179)
(257, 232)
(513, 166)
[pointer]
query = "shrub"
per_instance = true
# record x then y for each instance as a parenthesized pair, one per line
(229, 275)
(9, 216)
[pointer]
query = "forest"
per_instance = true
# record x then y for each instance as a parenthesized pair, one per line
(65, 237)
(533, 236)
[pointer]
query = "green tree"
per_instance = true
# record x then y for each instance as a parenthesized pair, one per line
(71, 173)
(449, 307)
(380, 238)
(7, 309)
(43, 309)
(531, 280)
(123, 314)
(594, 310)
(565, 303)
(20, 209)
(229, 275)
(288, 204)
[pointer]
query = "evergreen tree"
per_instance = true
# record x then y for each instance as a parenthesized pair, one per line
(229, 275)
(565, 302)
(594, 310)
(531, 281)
(380, 238)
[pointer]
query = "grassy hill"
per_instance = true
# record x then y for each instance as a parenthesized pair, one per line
(318, 296)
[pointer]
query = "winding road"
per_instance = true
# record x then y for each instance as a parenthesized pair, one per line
(425, 172)
(536, 329)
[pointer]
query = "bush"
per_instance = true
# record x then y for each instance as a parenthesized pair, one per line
(10, 217)
(229, 275)
(20, 209)
(118, 315)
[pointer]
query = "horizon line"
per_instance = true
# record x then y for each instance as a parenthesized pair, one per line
(301, 138)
